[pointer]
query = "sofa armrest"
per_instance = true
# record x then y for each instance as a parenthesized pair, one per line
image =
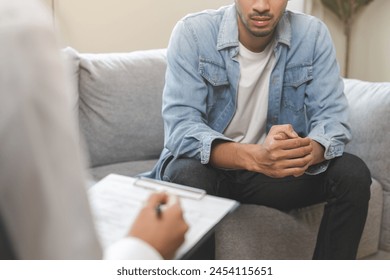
(370, 114)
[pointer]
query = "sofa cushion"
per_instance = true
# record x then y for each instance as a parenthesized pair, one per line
(130, 168)
(370, 115)
(120, 105)
(261, 232)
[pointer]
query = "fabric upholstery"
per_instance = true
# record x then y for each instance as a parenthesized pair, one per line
(120, 105)
(129, 168)
(370, 115)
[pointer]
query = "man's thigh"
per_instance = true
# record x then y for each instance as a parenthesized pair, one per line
(345, 175)
(280, 193)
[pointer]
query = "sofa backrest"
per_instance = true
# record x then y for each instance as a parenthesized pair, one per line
(119, 104)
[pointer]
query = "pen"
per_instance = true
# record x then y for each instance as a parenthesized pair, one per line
(158, 210)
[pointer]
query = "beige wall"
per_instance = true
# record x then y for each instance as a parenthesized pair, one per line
(370, 43)
(123, 25)
(126, 25)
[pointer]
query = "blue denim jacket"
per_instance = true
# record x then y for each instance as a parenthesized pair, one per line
(199, 98)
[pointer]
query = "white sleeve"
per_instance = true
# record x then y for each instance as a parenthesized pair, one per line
(43, 201)
(131, 248)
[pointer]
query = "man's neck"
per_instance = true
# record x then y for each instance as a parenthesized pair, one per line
(255, 44)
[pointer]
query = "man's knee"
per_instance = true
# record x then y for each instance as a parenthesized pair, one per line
(191, 172)
(354, 175)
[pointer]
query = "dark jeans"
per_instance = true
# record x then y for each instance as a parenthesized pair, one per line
(345, 186)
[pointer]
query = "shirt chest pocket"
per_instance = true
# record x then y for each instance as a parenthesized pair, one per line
(294, 87)
(213, 73)
(217, 82)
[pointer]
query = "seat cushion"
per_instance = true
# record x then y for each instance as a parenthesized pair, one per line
(131, 168)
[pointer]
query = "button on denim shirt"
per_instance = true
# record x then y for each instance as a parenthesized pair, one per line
(202, 77)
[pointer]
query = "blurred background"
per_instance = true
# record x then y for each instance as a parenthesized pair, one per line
(121, 26)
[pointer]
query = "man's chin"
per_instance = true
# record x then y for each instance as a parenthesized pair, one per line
(261, 33)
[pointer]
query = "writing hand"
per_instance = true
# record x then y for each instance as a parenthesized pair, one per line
(164, 232)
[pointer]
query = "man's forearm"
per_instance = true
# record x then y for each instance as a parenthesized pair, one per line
(227, 155)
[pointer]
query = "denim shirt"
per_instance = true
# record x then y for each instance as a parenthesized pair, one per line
(202, 77)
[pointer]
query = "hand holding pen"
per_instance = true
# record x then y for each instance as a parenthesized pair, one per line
(161, 224)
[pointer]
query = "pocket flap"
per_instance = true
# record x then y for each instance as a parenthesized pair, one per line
(298, 75)
(215, 74)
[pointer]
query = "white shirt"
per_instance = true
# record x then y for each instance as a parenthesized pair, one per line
(43, 200)
(249, 121)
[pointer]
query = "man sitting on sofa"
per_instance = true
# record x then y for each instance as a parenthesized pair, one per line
(254, 110)
(44, 211)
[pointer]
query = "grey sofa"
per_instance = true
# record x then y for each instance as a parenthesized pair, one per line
(119, 107)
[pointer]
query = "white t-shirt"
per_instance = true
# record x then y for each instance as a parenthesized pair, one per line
(249, 121)
(43, 201)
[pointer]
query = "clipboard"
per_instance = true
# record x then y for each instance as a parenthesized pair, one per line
(172, 188)
(116, 200)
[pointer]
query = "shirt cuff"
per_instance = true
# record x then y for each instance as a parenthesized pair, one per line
(318, 168)
(131, 248)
